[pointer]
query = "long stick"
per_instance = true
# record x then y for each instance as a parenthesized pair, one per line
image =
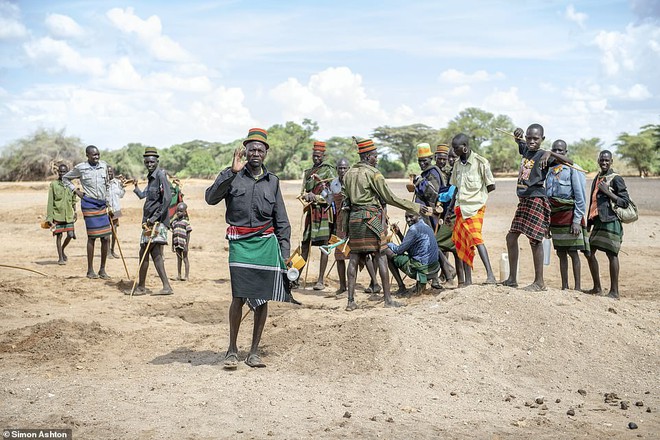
(146, 251)
(563, 163)
(245, 316)
(121, 254)
(23, 268)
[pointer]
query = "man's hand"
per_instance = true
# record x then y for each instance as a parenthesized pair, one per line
(239, 160)
(310, 197)
(150, 222)
(425, 210)
(604, 188)
(518, 133)
(575, 229)
(544, 159)
(79, 193)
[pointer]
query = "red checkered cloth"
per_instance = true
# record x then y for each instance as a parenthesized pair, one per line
(467, 234)
(532, 218)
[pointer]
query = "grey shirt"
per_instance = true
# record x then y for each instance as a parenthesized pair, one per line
(93, 179)
(252, 202)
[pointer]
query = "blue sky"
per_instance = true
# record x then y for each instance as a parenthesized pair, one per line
(165, 72)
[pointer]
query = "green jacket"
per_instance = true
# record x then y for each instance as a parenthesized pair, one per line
(61, 203)
(364, 185)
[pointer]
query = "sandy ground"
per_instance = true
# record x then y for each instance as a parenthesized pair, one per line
(458, 363)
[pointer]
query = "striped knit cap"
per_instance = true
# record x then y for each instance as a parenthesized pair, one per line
(442, 148)
(365, 145)
(257, 134)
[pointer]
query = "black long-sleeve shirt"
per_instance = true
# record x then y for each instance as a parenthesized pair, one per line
(252, 202)
(159, 195)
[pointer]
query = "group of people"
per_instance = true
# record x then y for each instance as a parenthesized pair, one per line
(99, 193)
(349, 204)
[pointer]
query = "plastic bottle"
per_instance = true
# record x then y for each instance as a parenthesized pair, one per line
(504, 267)
(547, 249)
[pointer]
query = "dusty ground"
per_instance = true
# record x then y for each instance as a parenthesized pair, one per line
(466, 363)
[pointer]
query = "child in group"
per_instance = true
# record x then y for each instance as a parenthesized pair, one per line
(532, 217)
(61, 212)
(181, 229)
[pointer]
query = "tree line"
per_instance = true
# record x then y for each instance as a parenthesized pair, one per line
(36, 156)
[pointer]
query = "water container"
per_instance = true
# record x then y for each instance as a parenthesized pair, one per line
(504, 267)
(547, 249)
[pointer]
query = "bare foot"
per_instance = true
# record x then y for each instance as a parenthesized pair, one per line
(490, 281)
(593, 291)
(612, 294)
(393, 304)
(510, 283)
(164, 291)
(351, 306)
(92, 275)
(535, 288)
(61, 262)
(103, 275)
(319, 286)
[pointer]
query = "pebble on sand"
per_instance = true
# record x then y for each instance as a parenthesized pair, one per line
(582, 392)
(632, 425)
(571, 412)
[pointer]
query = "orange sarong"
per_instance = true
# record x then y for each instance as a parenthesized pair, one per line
(467, 234)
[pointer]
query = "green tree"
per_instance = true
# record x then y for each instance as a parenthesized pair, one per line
(403, 141)
(639, 150)
(341, 147)
(480, 127)
(201, 164)
(35, 156)
(585, 153)
(127, 160)
(291, 148)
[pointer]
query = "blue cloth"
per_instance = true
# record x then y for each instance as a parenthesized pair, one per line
(566, 183)
(419, 242)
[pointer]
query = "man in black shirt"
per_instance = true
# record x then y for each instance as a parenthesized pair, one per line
(259, 236)
(155, 221)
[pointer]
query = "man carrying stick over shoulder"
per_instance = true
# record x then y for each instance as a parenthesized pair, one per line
(532, 217)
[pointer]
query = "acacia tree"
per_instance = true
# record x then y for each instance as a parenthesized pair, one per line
(35, 156)
(480, 128)
(403, 140)
(291, 148)
(640, 150)
(585, 153)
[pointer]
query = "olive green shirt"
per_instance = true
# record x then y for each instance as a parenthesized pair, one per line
(61, 203)
(364, 185)
(471, 180)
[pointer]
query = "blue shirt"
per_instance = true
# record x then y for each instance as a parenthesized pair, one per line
(566, 183)
(420, 244)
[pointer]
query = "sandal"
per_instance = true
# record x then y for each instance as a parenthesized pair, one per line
(253, 360)
(231, 361)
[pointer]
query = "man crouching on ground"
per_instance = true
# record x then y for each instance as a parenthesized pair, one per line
(259, 239)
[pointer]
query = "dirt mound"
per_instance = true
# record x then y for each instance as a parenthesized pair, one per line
(53, 340)
(194, 312)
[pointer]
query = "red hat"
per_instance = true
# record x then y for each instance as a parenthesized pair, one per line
(365, 145)
(319, 146)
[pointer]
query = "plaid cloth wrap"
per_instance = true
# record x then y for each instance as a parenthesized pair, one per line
(467, 234)
(561, 220)
(606, 236)
(366, 230)
(416, 270)
(97, 221)
(256, 266)
(532, 218)
(64, 227)
(317, 220)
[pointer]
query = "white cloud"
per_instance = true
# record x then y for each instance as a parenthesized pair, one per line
(56, 55)
(63, 26)
(454, 76)
(335, 97)
(10, 23)
(149, 33)
(576, 17)
(636, 51)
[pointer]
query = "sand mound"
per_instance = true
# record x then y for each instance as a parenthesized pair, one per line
(53, 340)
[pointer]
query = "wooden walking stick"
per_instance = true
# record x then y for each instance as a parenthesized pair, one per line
(144, 255)
(23, 268)
(121, 254)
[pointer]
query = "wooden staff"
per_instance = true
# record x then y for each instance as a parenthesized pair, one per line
(23, 268)
(520, 139)
(121, 254)
(144, 255)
